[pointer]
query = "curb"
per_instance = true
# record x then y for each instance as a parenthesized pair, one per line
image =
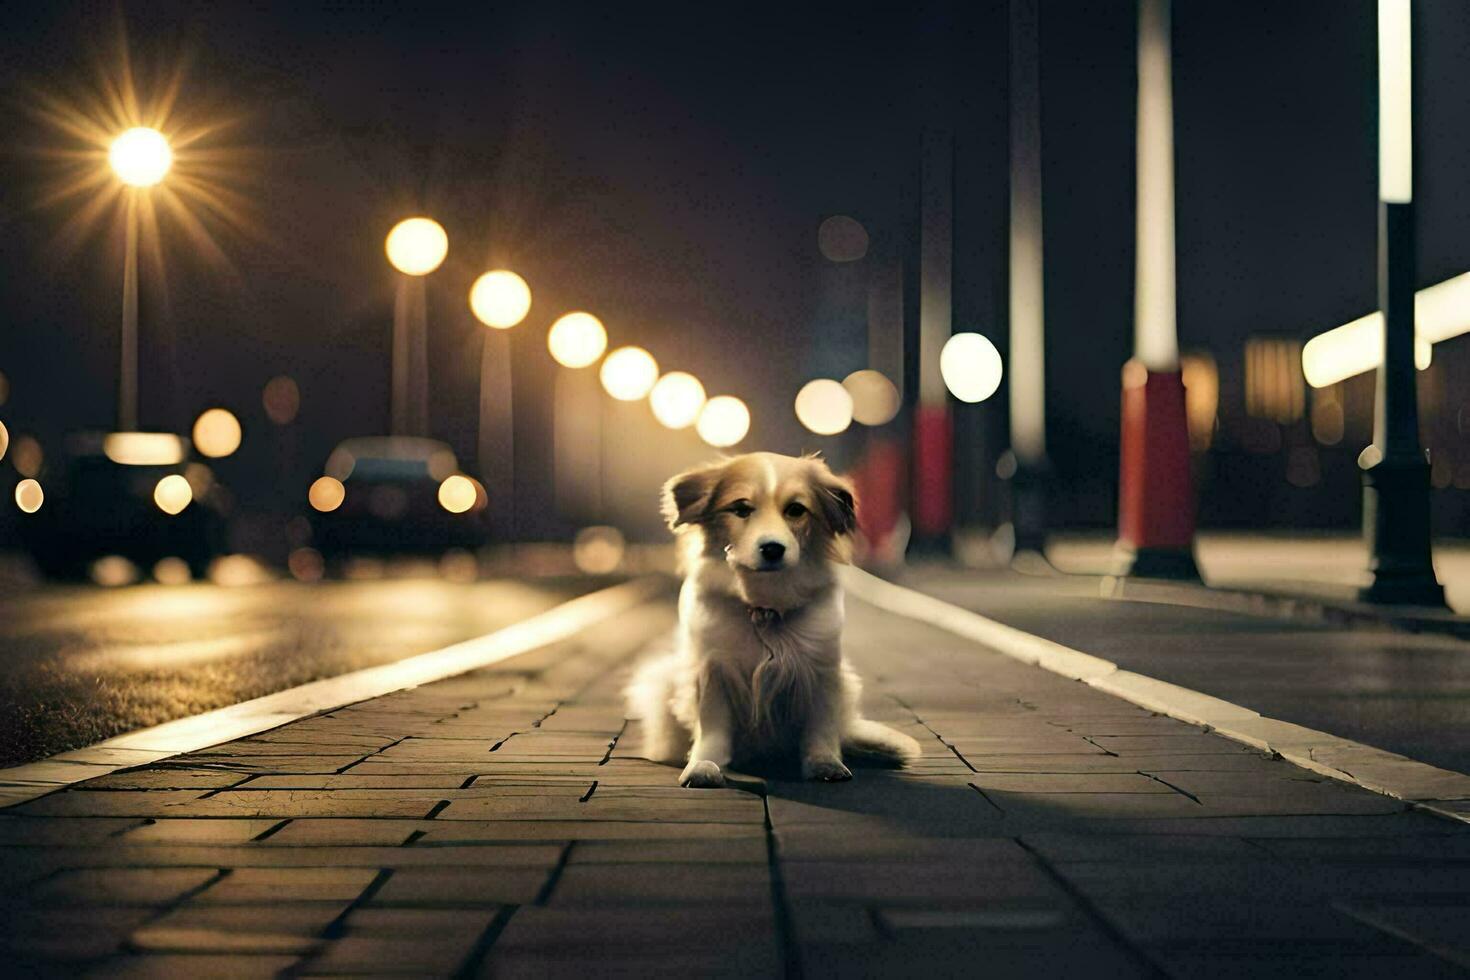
(1438, 791)
(148, 745)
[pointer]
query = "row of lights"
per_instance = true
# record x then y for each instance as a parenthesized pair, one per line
(501, 299)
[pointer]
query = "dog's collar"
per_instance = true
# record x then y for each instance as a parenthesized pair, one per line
(764, 617)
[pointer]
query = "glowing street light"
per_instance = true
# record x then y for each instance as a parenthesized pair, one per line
(457, 494)
(577, 340)
(676, 400)
(173, 493)
(971, 367)
(415, 247)
(326, 494)
(500, 299)
(141, 157)
(723, 421)
(875, 399)
(629, 373)
(29, 496)
(824, 407)
(217, 433)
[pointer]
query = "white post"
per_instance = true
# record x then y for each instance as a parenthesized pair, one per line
(1156, 340)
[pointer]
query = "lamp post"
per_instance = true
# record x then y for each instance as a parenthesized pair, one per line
(1155, 498)
(1027, 309)
(1395, 470)
(500, 299)
(415, 247)
(140, 157)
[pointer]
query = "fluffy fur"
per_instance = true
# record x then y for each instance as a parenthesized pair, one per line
(758, 670)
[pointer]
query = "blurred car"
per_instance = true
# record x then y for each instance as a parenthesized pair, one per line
(395, 495)
(131, 494)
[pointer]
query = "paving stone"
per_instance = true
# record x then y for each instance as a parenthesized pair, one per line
(196, 831)
(740, 962)
(666, 928)
(69, 933)
(254, 886)
(195, 967)
(62, 830)
(1073, 847)
(437, 955)
(1295, 959)
(1150, 919)
(661, 884)
(121, 886)
(354, 780)
(819, 844)
(1190, 743)
(748, 850)
(1120, 782)
(82, 803)
(331, 830)
(937, 882)
(167, 778)
(295, 928)
(1073, 807)
(316, 803)
(461, 887)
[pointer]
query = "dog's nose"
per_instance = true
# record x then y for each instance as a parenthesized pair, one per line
(772, 550)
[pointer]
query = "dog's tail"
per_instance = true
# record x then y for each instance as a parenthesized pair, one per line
(880, 742)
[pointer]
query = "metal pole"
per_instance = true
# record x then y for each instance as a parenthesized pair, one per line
(127, 388)
(1027, 369)
(398, 423)
(497, 432)
(1396, 497)
(933, 508)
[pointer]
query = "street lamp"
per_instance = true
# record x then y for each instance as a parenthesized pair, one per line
(824, 407)
(415, 247)
(577, 340)
(1395, 470)
(629, 373)
(676, 400)
(723, 421)
(140, 157)
(500, 299)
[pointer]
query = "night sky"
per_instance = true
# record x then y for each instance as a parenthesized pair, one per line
(666, 167)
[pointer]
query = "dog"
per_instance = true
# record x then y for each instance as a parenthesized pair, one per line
(757, 671)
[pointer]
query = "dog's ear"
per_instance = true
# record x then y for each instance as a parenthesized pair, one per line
(686, 497)
(836, 501)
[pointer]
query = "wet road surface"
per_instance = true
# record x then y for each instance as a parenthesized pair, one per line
(81, 664)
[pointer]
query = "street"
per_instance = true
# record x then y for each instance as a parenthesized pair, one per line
(502, 823)
(83, 664)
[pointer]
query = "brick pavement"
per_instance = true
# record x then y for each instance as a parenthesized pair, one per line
(502, 824)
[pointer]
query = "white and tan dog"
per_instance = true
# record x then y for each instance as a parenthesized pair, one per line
(758, 671)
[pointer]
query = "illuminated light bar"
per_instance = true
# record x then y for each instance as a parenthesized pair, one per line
(143, 448)
(1441, 312)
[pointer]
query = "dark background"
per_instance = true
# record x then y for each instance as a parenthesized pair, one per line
(666, 167)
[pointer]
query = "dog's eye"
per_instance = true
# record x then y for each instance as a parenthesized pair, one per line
(742, 510)
(794, 510)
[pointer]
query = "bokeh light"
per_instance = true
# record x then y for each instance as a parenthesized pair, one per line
(281, 399)
(143, 448)
(842, 239)
(457, 494)
(306, 565)
(172, 571)
(824, 407)
(113, 571)
(4, 388)
(217, 433)
(4, 439)
(677, 399)
(326, 494)
(173, 493)
(724, 421)
(577, 340)
(500, 299)
(598, 550)
(26, 456)
(140, 157)
(29, 496)
(875, 399)
(629, 373)
(971, 367)
(417, 246)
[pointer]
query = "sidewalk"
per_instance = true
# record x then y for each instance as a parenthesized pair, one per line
(501, 823)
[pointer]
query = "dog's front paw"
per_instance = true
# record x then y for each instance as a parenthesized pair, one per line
(702, 775)
(826, 770)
